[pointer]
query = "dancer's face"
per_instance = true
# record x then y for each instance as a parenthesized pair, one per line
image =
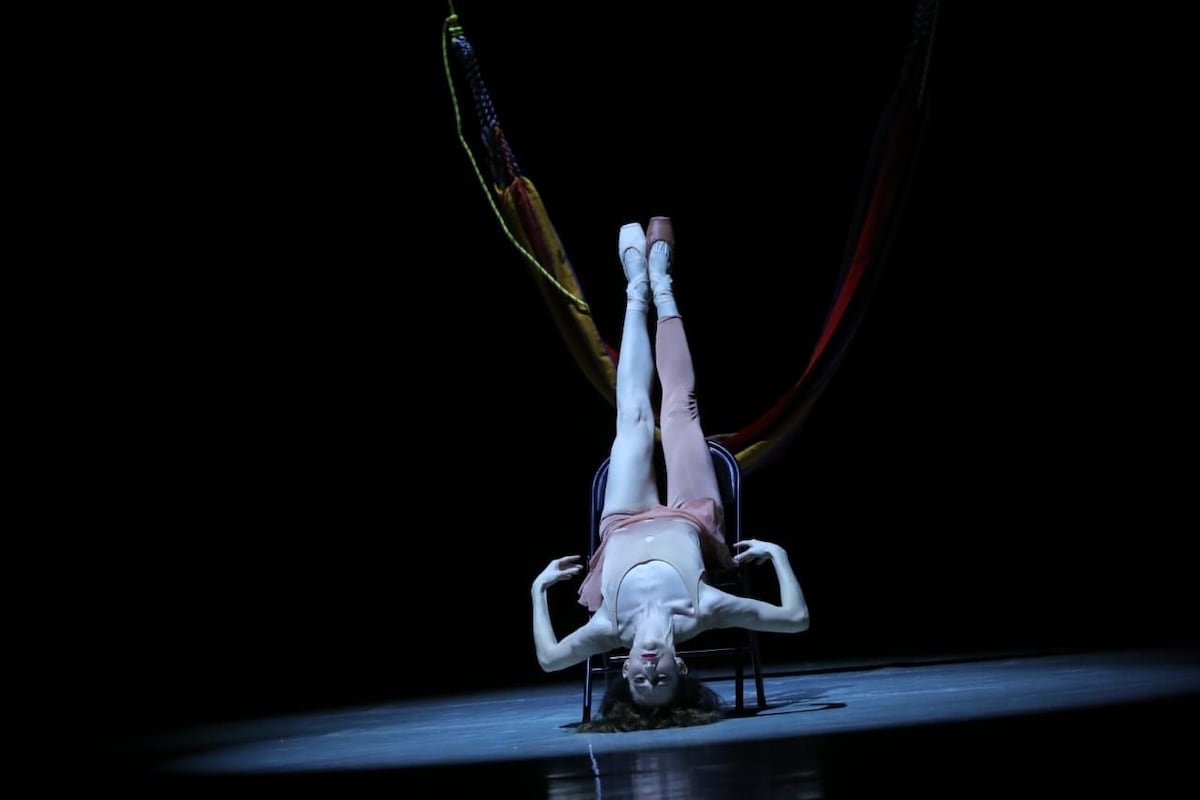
(653, 675)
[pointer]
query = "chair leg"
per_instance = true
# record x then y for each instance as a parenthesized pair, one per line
(739, 683)
(587, 691)
(756, 663)
(755, 655)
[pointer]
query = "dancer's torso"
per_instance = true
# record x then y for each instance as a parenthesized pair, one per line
(654, 561)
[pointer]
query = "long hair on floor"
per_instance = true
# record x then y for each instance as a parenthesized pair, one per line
(694, 704)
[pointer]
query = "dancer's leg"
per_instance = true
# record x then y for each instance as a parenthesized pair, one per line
(631, 483)
(690, 473)
(660, 244)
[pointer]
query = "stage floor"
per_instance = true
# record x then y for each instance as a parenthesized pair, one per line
(997, 725)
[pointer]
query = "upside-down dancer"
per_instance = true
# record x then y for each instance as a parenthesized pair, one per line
(647, 582)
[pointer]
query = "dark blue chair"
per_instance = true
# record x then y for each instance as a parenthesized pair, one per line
(732, 648)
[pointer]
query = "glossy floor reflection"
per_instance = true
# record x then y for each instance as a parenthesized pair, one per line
(1007, 725)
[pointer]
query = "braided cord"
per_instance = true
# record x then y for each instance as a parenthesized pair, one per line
(503, 165)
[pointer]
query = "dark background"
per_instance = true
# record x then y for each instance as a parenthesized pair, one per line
(326, 431)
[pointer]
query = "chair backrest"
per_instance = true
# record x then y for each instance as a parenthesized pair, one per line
(729, 478)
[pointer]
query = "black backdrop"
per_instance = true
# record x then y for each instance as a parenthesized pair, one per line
(328, 432)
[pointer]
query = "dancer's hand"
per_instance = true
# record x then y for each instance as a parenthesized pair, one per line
(755, 551)
(560, 569)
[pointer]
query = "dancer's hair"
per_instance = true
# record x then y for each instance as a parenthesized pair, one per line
(693, 704)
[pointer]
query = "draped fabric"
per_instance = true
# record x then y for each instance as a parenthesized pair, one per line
(526, 222)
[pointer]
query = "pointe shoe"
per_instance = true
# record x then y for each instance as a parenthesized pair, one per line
(660, 230)
(632, 237)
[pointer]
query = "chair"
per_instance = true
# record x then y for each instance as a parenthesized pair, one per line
(743, 646)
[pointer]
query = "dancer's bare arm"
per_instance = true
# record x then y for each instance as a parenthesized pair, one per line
(733, 611)
(594, 636)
